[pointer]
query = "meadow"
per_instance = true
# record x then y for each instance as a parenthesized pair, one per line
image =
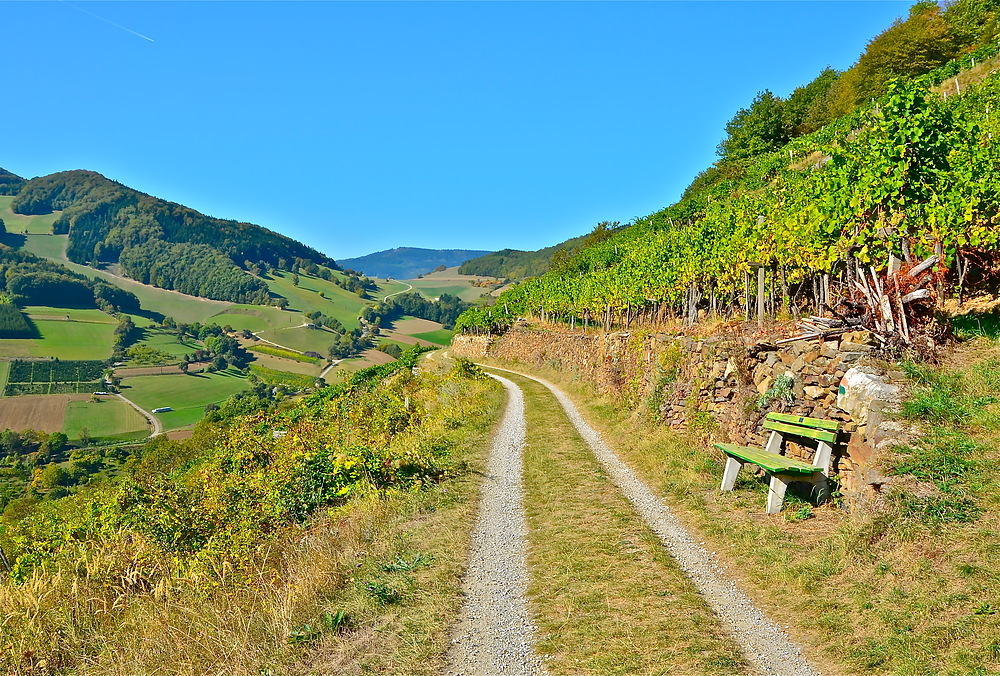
(64, 333)
(107, 419)
(187, 395)
(19, 223)
(167, 341)
(450, 282)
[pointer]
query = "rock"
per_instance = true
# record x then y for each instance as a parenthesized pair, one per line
(814, 392)
(859, 391)
(851, 357)
(829, 350)
(765, 384)
(810, 357)
(827, 380)
(855, 347)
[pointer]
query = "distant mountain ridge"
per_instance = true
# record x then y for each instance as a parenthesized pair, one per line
(408, 262)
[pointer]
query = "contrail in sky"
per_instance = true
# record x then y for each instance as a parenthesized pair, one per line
(116, 25)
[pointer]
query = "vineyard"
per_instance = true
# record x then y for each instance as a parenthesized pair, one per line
(54, 377)
(910, 178)
(287, 354)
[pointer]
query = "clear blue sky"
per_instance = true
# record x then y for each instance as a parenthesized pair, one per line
(357, 127)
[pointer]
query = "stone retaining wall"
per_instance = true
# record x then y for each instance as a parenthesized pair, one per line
(721, 386)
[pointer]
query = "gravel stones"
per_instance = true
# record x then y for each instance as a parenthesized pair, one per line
(494, 634)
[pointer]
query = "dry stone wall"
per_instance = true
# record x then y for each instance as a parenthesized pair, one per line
(721, 386)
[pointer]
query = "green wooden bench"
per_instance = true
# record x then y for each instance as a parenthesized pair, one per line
(783, 470)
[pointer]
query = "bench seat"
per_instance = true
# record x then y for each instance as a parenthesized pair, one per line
(776, 464)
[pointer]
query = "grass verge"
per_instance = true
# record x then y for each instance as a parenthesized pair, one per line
(606, 594)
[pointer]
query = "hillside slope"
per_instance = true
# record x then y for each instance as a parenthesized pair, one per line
(514, 264)
(160, 242)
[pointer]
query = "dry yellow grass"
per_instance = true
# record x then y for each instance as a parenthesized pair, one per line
(391, 561)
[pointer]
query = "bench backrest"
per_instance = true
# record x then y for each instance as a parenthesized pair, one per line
(823, 431)
(810, 428)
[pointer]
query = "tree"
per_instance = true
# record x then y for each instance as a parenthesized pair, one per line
(55, 443)
(807, 109)
(755, 130)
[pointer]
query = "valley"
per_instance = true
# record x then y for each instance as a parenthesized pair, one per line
(87, 334)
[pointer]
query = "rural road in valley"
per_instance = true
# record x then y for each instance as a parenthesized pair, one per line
(157, 428)
(494, 634)
(765, 645)
(398, 292)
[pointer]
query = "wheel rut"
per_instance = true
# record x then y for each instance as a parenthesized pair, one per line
(494, 634)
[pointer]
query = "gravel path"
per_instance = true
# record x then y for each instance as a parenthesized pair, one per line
(153, 420)
(766, 646)
(494, 634)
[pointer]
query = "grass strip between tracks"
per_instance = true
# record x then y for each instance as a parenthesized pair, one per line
(606, 595)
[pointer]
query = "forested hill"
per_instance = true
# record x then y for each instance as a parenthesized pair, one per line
(897, 158)
(9, 183)
(159, 242)
(408, 262)
(514, 264)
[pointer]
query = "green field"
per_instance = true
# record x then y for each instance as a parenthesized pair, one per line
(86, 334)
(165, 341)
(450, 282)
(340, 304)
(440, 337)
(180, 306)
(89, 316)
(186, 394)
(284, 327)
(4, 372)
(247, 321)
(52, 247)
(302, 339)
(18, 223)
(292, 366)
(110, 418)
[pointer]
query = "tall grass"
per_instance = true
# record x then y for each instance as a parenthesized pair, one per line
(370, 584)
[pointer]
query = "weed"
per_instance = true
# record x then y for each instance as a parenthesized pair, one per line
(941, 398)
(303, 634)
(402, 565)
(383, 592)
(936, 510)
(780, 390)
(336, 622)
(975, 325)
(944, 458)
(985, 609)
(801, 514)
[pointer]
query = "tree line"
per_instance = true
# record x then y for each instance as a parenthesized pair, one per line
(26, 279)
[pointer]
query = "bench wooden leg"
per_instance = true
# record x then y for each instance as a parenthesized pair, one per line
(729, 475)
(776, 493)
